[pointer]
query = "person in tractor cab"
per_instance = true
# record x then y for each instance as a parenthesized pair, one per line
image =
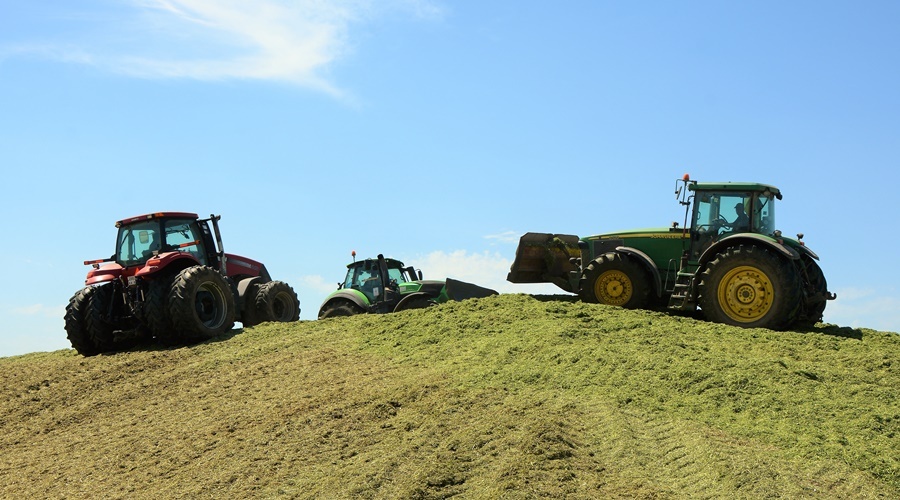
(742, 222)
(370, 282)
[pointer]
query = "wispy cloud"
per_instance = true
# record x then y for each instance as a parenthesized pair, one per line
(504, 237)
(292, 41)
(38, 310)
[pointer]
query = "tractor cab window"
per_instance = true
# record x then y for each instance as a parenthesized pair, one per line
(762, 215)
(349, 280)
(715, 213)
(137, 242)
(184, 236)
(368, 281)
(396, 275)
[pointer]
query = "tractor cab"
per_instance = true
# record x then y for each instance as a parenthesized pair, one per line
(141, 238)
(373, 277)
(724, 209)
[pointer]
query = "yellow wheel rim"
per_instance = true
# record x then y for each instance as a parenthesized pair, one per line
(746, 294)
(613, 287)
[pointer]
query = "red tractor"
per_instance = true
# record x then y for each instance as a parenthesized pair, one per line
(170, 280)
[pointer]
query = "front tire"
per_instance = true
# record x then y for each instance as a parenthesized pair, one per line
(277, 301)
(339, 309)
(75, 323)
(617, 280)
(201, 304)
(420, 302)
(96, 320)
(751, 287)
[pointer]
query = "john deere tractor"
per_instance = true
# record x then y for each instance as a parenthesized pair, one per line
(386, 285)
(170, 279)
(728, 260)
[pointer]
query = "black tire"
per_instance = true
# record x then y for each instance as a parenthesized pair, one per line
(420, 302)
(200, 305)
(339, 309)
(154, 313)
(816, 286)
(277, 301)
(751, 287)
(618, 280)
(75, 323)
(96, 323)
(249, 316)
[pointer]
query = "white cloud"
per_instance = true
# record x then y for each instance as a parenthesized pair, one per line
(865, 308)
(318, 284)
(292, 41)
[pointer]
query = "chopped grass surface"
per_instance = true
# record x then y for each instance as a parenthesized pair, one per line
(510, 396)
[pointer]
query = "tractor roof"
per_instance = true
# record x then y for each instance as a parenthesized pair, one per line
(155, 215)
(391, 263)
(735, 186)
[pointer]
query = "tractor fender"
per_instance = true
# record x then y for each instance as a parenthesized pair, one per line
(103, 274)
(238, 265)
(750, 238)
(648, 263)
(179, 260)
(806, 251)
(354, 296)
(409, 298)
(242, 286)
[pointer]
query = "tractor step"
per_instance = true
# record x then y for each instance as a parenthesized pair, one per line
(682, 299)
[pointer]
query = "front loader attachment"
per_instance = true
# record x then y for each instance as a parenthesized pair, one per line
(547, 258)
(460, 290)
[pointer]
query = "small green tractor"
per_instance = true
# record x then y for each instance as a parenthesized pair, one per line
(730, 262)
(386, 285)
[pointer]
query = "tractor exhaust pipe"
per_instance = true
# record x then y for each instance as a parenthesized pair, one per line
(221, 251)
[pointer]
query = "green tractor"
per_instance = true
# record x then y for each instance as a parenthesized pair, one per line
(730, 262)
(386, 285)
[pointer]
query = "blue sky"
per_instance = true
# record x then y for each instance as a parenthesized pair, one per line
(437, 132)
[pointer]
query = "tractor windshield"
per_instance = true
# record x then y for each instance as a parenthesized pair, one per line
(137, 242)
(725, 212)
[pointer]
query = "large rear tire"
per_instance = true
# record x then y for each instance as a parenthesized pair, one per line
(617, 280)
(75, 323)
(817, 286)
(277, 301)
(200, 304)
(751, 287)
